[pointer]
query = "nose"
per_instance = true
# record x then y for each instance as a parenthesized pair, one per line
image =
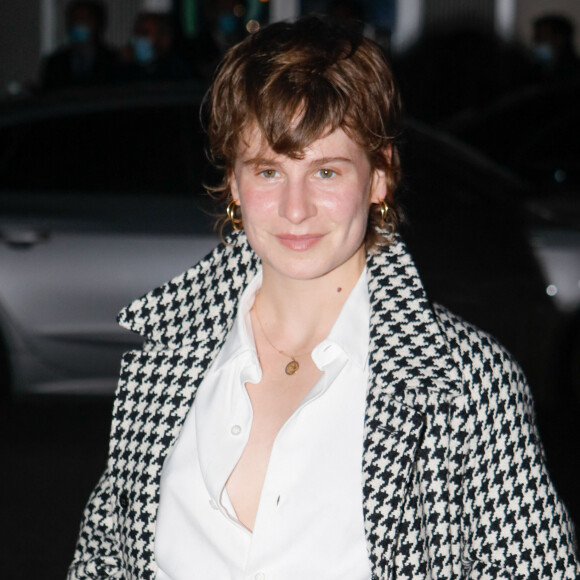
(296, 202)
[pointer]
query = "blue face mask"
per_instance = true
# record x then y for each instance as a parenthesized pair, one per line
(79, 33)
(144, 49)
(227, 23)
(543, 53)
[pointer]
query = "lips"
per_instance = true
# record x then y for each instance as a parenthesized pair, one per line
(299, 243)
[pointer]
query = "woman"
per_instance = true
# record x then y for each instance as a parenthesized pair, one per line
(299, 408)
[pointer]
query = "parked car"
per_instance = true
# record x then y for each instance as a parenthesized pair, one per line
(534, 132)
(101, 200)
(470, 236)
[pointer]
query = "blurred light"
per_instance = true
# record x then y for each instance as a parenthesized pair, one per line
(264, 1)
(189, 12)
(239, 10)
(156, 5)
(552, 290)
(560, 175)
(13, 89)
(252, 26)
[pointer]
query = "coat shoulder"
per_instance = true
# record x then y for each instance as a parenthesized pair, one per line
(486, 367)
(467, 336)
(197, 302)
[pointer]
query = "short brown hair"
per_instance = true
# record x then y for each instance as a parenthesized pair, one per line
(299, 81)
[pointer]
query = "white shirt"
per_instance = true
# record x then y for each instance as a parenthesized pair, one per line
(309, 522)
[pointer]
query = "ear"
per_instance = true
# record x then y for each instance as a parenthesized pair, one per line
(379, 187)
(234, 187)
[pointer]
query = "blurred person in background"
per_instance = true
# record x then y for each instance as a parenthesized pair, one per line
(222, 27)
(348, 11)
(86, 61)
(464, 68)
(555, 57)
(300, 409)
(152, 55)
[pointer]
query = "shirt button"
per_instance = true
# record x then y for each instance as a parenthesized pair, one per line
(260, 576)
(236, 430)
(213, 504)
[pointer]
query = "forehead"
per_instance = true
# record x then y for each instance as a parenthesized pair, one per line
(254, 144)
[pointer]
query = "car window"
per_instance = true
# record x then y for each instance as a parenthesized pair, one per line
(552, 157)
(140, 150)
(453, 204)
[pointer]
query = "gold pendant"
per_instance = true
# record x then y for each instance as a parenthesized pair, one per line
(292, 367)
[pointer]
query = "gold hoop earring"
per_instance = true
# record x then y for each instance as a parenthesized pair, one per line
(383, 208)
(237, 222)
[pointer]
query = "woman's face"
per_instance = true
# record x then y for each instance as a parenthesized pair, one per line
(306, 217)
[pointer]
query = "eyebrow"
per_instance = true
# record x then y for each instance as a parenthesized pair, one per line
(257, 161)
(330, 160)
(260, 161)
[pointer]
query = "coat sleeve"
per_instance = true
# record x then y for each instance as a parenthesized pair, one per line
(514, 524)
(117, 528)
(98, 553)
(100, 548)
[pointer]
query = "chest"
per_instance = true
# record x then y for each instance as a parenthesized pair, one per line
(313, 467)
(273, 400)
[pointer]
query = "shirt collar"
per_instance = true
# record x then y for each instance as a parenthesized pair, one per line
(241, 339)
(350, 331)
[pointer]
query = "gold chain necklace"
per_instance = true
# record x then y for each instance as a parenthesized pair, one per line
(293, 366)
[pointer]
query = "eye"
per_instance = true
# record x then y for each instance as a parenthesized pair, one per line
(326, 173)
(269, 173)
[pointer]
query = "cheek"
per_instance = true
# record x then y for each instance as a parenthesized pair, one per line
(353, 205)
(255, 202)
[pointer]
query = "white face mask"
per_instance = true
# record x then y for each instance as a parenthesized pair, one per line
(543, 53)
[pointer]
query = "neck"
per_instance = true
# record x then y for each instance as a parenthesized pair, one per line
(298, 314)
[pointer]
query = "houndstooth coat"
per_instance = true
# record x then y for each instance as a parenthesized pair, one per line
(453, 474)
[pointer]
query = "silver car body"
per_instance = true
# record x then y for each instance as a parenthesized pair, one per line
(62, 295)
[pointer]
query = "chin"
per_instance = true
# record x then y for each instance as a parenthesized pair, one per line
(304, 270)
(312, 264)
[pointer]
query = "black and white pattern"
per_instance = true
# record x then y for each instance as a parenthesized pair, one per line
(454, 480)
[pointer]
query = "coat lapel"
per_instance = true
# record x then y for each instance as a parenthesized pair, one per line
(196, 309)
(409, 366)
